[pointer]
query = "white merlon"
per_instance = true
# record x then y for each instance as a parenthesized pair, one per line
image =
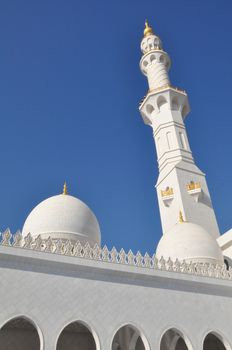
(186, 255)
(181, 185)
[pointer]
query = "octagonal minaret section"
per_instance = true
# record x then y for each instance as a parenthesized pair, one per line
(181, 185)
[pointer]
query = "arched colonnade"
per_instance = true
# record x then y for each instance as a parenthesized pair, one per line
(21, 333)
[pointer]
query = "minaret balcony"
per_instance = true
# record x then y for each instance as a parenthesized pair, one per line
(194, 189)
(167, 196)
(163, 99)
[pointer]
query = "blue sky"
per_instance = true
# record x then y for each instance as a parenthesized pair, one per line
(70, 87)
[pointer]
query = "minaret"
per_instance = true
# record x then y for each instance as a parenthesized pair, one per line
(181, 185)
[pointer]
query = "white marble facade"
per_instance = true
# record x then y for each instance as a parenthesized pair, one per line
(60, 290)
(109, 303)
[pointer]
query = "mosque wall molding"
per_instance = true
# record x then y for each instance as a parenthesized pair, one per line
(96, 253)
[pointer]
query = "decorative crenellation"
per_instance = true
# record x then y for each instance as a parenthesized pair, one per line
(193, 186)
(97, 253)
(167, 192)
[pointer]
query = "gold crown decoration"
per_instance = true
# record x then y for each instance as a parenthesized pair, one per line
(193, 186)
(181, 219)
(148, 30)
(65, 188)
(167, 192)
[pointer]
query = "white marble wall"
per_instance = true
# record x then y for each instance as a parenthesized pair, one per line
(55, 290)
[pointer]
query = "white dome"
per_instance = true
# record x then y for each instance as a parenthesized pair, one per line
(63, 217)
(189, 242)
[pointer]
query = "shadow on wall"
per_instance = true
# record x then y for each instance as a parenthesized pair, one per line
(76, 336)
(214, 341)
(19, 334)
(129, 337)
(173, 339)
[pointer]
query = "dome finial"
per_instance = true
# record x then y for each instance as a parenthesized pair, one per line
(148, 29)
(65, 189)
(181, 219)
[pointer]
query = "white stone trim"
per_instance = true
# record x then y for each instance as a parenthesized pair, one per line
(104, 255)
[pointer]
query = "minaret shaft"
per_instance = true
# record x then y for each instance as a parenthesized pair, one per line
(181, 185)
(155, 65)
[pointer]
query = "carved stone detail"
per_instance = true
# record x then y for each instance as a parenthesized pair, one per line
(17, 239)
(28, 242)
(131, 258)
(38, 243)
(59, 247)
(6, 238)
(68, 248)
(48, 245)
(105, 254)
(113, 256)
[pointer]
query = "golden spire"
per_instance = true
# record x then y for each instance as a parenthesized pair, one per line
(65, 189)
(148, 29)
(181, 219)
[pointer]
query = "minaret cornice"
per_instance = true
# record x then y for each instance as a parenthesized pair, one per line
(174, 98)
(160, 90)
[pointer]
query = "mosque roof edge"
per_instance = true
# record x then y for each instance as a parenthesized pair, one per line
(49, 263)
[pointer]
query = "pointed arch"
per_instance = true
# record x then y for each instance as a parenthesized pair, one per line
(77, 334)
(129, 337)
(174, 339)
(161, 101)
(20, 333)
(175, 103)
(152, 58)
(215, 341)
(149, 108)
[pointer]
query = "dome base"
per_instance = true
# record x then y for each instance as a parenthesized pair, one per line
(189, 242)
